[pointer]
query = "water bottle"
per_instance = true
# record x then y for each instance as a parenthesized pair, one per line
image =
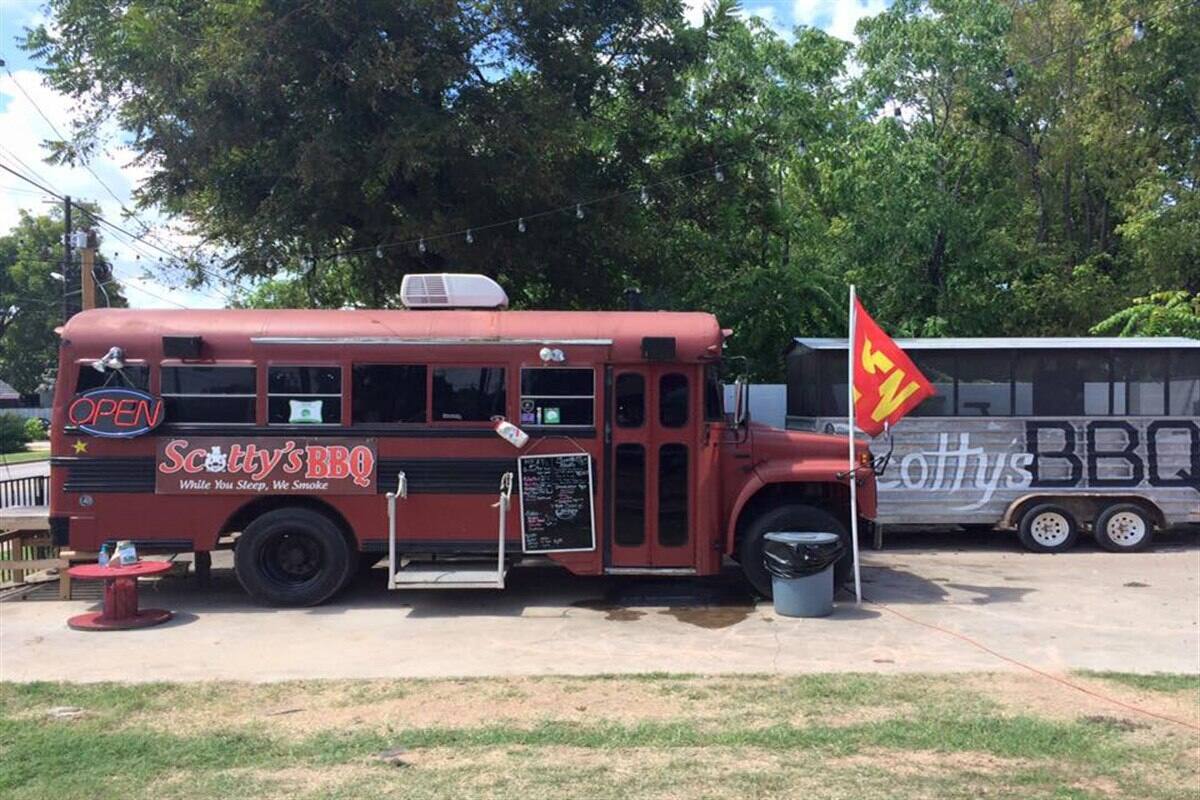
(103, 559)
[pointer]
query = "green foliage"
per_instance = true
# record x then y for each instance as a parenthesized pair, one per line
(13, 434)
(1159, 314)
(35, 430)
(300, 136)
(31, 300)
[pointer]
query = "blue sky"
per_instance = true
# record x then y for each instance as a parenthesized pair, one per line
(22, 131)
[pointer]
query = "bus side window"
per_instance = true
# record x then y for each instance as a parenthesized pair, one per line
(135, 376)
(1185, 383)
(388, 393)
(468, 394)
(557, 396)
(631, 400)
(1062, 383)
(1139, 383)
(673, 400)
(938, 368)
(209, 394)
(984, 383)
(304, 395)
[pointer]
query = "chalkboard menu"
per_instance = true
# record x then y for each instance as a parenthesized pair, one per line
(556, 503)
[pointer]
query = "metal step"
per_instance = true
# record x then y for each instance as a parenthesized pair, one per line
(449, 576)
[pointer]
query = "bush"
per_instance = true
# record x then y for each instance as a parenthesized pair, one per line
(13, 435)
(36, 429)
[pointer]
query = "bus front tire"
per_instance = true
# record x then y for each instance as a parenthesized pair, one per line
(790, 517)
(293, 557)
(1048, 528)
(1124, 528)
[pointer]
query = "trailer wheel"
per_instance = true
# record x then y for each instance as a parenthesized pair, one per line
(1048, 529)
(791, 517)
(1124, 528)
(293, 557)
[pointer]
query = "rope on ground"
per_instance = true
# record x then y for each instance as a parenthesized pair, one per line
(1030, 668)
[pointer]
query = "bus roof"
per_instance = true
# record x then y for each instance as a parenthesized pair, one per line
(1016, 343)
(697, 335)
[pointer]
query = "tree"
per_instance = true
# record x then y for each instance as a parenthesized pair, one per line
(31, 299)
(290, 131)
(1159, 314)
(1042, 172)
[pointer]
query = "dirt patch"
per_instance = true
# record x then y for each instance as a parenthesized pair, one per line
(910, 763)
(435, 704)
(1021, 694)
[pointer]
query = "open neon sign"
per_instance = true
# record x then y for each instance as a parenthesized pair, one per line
(115, 412)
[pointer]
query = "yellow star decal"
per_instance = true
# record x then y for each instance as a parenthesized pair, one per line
(80, 446)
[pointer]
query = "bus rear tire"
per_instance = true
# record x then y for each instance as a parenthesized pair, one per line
(1048, 528)
(1124, 528)
(790, 517)
(293, 557)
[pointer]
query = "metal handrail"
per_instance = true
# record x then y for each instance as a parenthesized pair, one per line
(503, 503)
(401, 492)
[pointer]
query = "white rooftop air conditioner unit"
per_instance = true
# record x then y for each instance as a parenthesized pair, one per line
(451, 290)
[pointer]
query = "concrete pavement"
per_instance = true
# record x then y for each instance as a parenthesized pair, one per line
(1083, 609)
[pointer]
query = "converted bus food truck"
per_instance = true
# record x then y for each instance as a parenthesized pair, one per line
(1050, 436)
(313, 440)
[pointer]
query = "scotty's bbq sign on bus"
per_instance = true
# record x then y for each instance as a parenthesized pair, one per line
(261, 465)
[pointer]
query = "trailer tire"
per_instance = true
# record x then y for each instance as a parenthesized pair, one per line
(293, 557)
(790, 517)
(1048, 528)
(1124, 528)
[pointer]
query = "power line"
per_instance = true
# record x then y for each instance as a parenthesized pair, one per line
(101, 221)
(58, 133)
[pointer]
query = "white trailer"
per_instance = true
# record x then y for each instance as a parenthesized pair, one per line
(1051, 437)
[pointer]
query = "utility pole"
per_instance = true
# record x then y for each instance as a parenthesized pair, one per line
(87, 275)
(66, 257)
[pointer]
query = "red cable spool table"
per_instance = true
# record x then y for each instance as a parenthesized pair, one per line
(121, 610)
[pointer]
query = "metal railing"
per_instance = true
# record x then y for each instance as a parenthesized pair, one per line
(33, 490)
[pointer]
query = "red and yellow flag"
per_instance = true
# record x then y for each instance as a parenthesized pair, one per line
(886, 383)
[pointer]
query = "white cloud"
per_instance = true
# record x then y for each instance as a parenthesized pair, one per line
(21, 148)
(847, 14)
(693, 11)
(836, 17)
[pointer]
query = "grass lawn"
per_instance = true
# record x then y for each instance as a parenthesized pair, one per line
(25, 457)
(657, 736)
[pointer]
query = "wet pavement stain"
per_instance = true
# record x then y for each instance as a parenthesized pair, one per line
(710, 604)
(1136, 585)
(612, 612)
(710, 617)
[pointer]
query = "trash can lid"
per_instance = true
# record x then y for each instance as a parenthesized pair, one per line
(803, 537)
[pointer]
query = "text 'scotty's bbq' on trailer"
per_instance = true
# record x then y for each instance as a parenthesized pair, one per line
(1051, 436)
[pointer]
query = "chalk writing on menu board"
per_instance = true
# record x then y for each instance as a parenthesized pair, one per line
(556, 503)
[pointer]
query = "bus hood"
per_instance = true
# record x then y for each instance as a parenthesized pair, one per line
(776, 443)
(785, 455)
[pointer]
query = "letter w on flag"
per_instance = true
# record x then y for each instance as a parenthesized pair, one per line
(887, 385)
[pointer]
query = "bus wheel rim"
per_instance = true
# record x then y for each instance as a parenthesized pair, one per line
(1050, 529)
(1126, 528)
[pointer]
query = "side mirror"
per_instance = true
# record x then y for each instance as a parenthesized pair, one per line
(741, 402)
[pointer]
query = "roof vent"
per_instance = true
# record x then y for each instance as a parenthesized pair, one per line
(451, 290)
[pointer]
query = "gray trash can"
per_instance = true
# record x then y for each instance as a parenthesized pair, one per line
(801, 567)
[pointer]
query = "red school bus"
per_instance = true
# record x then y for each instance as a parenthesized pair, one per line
(313, 441)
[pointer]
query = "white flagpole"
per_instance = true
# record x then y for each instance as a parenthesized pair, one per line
(852, 475)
